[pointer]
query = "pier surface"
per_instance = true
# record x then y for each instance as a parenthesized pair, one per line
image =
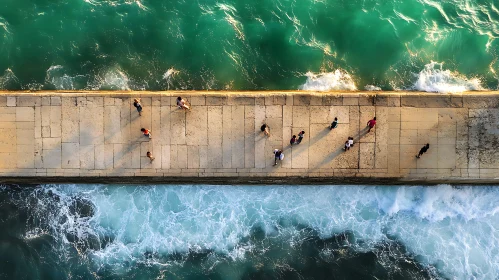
(97, 134)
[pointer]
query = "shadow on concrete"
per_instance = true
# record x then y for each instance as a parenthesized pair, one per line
(361, 134)
(331, 156)
(312, 141)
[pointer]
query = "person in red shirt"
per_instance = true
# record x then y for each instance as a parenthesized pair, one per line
(371, 124)
(146, 132)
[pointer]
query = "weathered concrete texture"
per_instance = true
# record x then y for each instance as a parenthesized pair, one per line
(81, 134)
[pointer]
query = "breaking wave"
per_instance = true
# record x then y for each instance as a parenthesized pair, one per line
(336, 80)
(447, 231)
(433, 78)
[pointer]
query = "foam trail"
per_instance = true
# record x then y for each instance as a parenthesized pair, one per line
(110, 79)
(8, 79)
(336, 80)
(434, 79)
(455, 229)
(4, 25)
(372, 88)
(57, 77)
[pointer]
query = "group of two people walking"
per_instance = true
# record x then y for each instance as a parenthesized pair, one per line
(349, 143)
(298, 140)
(278, 154)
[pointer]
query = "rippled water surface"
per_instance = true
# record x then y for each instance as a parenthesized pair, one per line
(444, 46)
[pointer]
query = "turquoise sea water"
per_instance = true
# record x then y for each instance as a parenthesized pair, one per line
(249, 232)
(260, 44)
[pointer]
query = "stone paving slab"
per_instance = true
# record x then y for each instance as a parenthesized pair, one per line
(97, 134)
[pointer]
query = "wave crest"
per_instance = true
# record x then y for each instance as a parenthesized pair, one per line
(59, 79)
(433, 78)
(111, 79)
(336, 80)
(8, 79)
(372, 88)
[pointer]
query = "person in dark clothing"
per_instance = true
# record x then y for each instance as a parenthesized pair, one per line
(334, 124)
(265, 129)
(136, 104)
(423, 150)
(300, 136)
(293, 140)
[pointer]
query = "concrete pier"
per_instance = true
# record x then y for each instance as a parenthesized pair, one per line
(71, 136)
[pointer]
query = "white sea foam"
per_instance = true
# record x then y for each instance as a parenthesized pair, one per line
(170, 73)
(231, 18)
(336, 80)
(118, 3)
(113, 78)
(8, 78)
(141, 5)
(57, 77)
(454, 229)
(110, 79)
(168, 76)
(4, 25)
(471, 15)
(372, 88)
(433, 78)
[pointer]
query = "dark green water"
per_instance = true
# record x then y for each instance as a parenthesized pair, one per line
(260, 44)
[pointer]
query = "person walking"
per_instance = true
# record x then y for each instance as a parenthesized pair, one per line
(293, 140)
(350, 141)
(347, 145)
(334, 124)
(265, 129)
(136, 104)
(300, 137)
(146, 132)
(371, 124)
(149, 155)
(183, 104)
(278, 155)
(423, 150)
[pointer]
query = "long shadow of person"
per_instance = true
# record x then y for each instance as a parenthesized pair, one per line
(331, 156)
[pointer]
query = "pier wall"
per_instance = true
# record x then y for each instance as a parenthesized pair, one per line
(96, 137)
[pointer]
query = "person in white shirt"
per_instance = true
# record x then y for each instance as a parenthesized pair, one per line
(278, 155)
(347, 145)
